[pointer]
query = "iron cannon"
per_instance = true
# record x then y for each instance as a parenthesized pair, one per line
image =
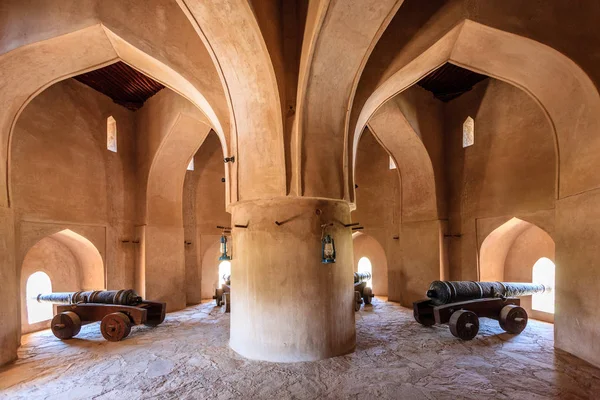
(362, 293)
(223, 294)
(460, 304)
(117, 310)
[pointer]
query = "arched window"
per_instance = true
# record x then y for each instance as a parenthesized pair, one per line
(191, 165)
(111, 134)
(224, 269)
(38, 283)
(364, 265)
(543, 272)
(468, 132)
(392, 163)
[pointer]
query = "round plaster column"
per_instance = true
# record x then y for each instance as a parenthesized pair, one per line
(286, 305)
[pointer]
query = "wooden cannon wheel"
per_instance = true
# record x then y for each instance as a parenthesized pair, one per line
(65, 325)
(367, 295)
(513, 319)
(218, 297)
(357, 300)
(115, 326)
(464, 324)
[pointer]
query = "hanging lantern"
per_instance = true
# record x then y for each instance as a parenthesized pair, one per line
(224, 256)
(328, 250)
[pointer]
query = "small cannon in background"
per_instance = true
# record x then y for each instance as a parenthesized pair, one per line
(222, 294)
(117, 310)
(460, 304)
(362, 293)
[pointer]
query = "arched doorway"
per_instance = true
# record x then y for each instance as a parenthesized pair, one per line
(369, 256)
(63, 262)
(519, 251)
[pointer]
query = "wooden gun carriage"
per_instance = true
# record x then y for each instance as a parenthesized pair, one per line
(223, 294)
(362, 293)
(460, 304)
(117, 310)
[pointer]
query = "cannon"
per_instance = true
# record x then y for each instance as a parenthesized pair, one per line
(117, 310)
(223, 294)
(460, 304)
(362, 293)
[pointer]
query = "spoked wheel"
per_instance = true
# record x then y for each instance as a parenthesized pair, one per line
(357, 301)
(464, 324)
(66, 325)
(115, 326)
(367, 295)
(513, 319)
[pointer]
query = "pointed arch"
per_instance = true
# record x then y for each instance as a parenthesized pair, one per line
(247, 74)
(366, 246)
(70, 262)
(30, 69)
(570, 104)
(417, 181)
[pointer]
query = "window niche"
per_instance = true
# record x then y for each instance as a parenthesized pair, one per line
(111, 134)
(543, 273)
(364, 265)
(468, 132)
(392, 163)
(38, 283)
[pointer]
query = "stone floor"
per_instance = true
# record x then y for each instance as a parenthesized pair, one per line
(187, 357)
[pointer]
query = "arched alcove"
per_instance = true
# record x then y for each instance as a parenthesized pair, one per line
(368, 251)
(510, 253)
(71, 263)
(210, 268)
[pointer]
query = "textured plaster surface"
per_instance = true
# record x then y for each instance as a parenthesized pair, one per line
(188, 357)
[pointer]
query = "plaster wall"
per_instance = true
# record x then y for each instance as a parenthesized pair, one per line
(529, 247)
(210, 265)
(577, 253)
(378, 203)
(203, 211)
(367, 246)
(170, 130)
(510, 170)
(75, 182)
(286, 305)
(61, 265)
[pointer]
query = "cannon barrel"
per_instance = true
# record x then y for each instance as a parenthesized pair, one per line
(227, 279)
(122, 297)
(361, 277)
(444, 292)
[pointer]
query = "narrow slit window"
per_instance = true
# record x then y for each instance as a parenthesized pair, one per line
(392, 163)
(190, 166)
(111, 134)
(468, 132)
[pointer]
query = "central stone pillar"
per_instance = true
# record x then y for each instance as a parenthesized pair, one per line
(286, 305)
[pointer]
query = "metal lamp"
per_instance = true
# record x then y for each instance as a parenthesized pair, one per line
(328, 250)
(224, 256)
